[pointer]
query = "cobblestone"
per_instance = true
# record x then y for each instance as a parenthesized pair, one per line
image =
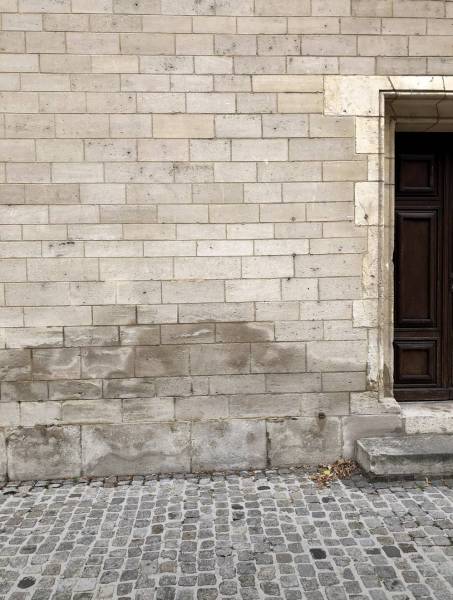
(260, 535)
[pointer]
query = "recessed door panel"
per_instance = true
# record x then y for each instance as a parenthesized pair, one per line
(416, 269)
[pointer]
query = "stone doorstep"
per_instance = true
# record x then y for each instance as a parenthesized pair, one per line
(406, 455)
(427, 417)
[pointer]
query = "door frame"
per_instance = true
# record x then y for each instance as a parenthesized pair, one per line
(415, 114)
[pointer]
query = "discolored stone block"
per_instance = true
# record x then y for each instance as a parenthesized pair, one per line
(164, 360)
(129, 388)
(303, 441)
(282, 357)
(75, 390)
(24, 391)
(136, 449)
(56, 364)
(107, 362)
(215, 359)
(44, 452)
(236, 444)
(15, 365)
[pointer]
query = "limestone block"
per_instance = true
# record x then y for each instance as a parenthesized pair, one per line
(129, 388)
(75, 389)
(138, 410)
(354, 95)
(216, 359)
(336, 356)
(365, 313)
(244, 332)
(306, 440)
(40, 413)
(44, 452)
(56, 364)
(360, 426)
(23, 391)
(188, 334)
(181, 386)
(201, 408)
(15, 365)
(369, 403)
(107, 362)
(91, 411)
(91, 336)
(293, 382)
(278, 357)
(135, 449)
(236, 384)
(139, 335)
(236, 444)
(264, 405)
(9, 414)
(161, 360)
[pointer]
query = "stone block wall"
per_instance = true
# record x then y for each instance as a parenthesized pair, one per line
(190, 227)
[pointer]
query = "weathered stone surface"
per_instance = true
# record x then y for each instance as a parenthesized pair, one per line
(358, 426)
(23, 391)
(56, 364)
(164, 360)
(281, 357)
(306, 440)
(40, 452)
(135, 449)
(235, 444)
(422, 455)
(15, 365)
(427, 417)
(129, 388)
(75, 389)
(107, 362)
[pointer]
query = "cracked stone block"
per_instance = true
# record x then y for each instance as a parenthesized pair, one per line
(237, 444)
(136, 449)
(295, 442)
(44, 452)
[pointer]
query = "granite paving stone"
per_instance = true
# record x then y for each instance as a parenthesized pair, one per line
(233, 536)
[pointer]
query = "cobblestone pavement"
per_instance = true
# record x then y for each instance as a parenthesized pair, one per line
(254, 535)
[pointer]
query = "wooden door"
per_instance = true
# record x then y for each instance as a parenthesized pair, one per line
(423, 267)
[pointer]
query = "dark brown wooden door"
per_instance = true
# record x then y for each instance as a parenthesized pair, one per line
(423, 364)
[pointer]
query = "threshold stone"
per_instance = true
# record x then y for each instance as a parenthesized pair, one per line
(410, 455)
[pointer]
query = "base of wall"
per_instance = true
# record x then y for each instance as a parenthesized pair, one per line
(60, 451)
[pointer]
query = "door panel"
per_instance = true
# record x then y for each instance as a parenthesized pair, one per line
(423, 364)
(417, 270)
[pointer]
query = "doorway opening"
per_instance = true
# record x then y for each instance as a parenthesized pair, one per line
(423, 267)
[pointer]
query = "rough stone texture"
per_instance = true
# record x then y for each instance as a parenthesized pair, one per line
(303, 441)
(422, 455)
(137, 448)
(358, 426)
(44, 452)
(258, 535)
(237, 444)
(195, 201)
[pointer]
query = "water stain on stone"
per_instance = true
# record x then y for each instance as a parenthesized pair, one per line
(318, 553)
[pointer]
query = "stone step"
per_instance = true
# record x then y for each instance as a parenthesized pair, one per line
(427, 417)
(407, 456)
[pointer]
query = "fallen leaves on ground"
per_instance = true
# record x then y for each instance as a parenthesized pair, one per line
(340, 469)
